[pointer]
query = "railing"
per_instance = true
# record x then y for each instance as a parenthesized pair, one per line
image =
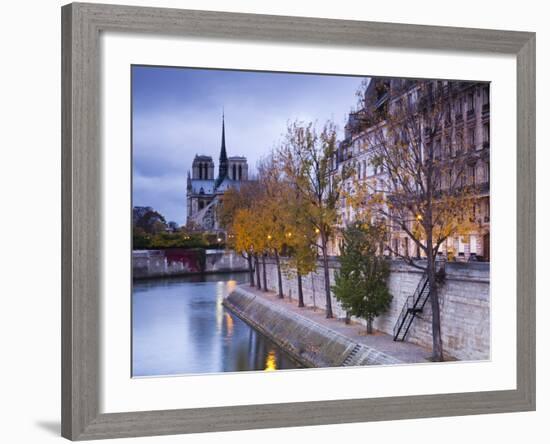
(413, 305)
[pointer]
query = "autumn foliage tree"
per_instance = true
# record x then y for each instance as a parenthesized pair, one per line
(305, 157)
(301, 248)
(242, 238)
(276, 220)
(423, 192)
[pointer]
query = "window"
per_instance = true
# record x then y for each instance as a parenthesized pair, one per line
(472, 175)
(460, 242)
(459, 142)
(472, 138)
(473, 244)
(486, 134)
(458, 107)
(485, 95)
(437, 149)
(471, 102)
(410, 101)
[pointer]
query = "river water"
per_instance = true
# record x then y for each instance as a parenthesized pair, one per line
(179, 326)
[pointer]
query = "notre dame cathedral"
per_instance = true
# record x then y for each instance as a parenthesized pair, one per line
(204, 191)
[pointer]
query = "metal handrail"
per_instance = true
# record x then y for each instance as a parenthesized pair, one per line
(411, 307)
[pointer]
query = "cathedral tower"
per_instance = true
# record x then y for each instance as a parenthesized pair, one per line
(222, 172)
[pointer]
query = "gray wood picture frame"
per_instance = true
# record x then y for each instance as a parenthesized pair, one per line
(81, 239)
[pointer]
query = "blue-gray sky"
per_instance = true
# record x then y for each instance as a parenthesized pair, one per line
(177, 114)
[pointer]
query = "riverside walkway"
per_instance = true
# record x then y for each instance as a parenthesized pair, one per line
(403, 351)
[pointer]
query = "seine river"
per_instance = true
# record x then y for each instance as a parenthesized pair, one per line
(179, 326)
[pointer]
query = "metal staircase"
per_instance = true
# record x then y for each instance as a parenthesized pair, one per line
(413, 305)
(350, 358)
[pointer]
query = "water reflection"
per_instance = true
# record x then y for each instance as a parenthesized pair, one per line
(180, 326)
(270, 362)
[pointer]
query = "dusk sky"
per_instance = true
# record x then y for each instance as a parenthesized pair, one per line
(177, 113)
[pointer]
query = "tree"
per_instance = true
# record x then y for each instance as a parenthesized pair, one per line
(237, 216)
(274, 222)
(301, 247)
(149, 220)
(140, 239)
(361, 283)
(234, 199)
(242, 238)
(306, 157)
(422, 192)
(173, 226)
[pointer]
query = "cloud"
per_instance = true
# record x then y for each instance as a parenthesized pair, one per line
(177, 114)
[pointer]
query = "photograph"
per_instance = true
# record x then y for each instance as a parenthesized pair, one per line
(264, 222)
(290, 220)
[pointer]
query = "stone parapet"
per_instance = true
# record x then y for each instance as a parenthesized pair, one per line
(308, 342)
(464, 303)
(180, 262)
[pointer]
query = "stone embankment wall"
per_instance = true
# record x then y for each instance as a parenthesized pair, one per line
(464, 300)
(181, 262)
(311, 344)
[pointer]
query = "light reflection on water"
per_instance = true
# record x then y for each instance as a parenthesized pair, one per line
(179, 326)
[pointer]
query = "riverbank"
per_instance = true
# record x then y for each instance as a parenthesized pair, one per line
(314, 341)
(464, 299)
(170, 262)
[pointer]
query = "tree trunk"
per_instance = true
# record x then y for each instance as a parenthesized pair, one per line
(279, 276)
(369, 326)
(264, 272)
(257, 266)
(437, 347)
(250, 269)
(300, 290)
(327, 276)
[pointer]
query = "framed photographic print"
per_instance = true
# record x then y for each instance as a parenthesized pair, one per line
(278, 221)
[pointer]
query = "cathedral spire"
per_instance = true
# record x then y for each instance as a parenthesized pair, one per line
(223, 154)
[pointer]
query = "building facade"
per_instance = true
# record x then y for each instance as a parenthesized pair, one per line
(464, 138)
(204, 189)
